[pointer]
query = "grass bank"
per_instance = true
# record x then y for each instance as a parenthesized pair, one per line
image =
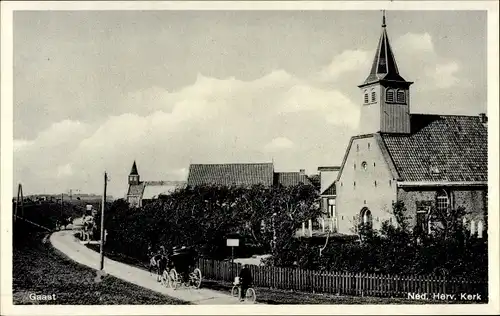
(40, 269)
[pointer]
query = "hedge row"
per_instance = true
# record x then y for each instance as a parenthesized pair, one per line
(205, 216)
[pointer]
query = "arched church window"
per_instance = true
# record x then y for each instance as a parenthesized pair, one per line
(480, 229)
(401, 96)
(366, 218)
(374, 96)
(366, 97)
(442, 202)
(472, 227)
(389, 95)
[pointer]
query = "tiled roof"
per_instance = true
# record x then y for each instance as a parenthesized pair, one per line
(441, 148)
(136, 189)
(331, 190)
(291, 178)
(241, 174)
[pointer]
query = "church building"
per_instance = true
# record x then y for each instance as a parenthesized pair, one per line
(142, 192)
(423, 160)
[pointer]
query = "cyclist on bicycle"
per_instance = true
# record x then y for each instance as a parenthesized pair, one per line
(245, 281)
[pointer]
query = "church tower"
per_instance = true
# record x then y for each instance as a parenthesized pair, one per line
(133, 177)
(386, 95)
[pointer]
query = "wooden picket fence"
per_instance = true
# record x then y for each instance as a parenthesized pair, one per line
(358, 284)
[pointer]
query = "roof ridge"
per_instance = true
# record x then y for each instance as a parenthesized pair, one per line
(437, 114)
(232, 163)
(163, 182)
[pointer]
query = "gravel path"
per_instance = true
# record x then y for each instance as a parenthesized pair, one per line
(68, 244)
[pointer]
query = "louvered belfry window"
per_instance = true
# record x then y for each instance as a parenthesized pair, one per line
(401, 96)
(389, 95)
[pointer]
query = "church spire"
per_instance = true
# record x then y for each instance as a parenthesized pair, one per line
(134, 172)
(386, 95)
(384, 65)
(133, 177)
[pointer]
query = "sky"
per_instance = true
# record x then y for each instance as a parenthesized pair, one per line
(96, 90)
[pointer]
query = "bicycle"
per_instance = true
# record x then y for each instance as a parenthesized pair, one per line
(250, 293)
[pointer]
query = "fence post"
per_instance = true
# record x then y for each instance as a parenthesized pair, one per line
(358, 284)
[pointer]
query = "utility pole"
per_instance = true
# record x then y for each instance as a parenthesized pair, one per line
(274, 233)
(102, 220)
(17, 202)
(62, 196)
(232, 261)
(20, 201)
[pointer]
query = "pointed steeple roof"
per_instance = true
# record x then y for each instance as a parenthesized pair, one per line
(384, 65)
(134, 172)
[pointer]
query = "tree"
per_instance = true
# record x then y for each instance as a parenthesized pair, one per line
(203, 216)
(448, 222)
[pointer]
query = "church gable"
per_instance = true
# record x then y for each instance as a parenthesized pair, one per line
(367, 181)
(365, 159)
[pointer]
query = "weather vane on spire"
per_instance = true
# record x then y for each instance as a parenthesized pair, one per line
(383, 18)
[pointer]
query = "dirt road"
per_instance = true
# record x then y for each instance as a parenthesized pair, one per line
(65, 242)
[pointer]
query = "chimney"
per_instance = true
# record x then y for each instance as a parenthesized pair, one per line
(483, 118)
(302, 172)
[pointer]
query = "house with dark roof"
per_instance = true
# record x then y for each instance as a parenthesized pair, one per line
(243, 174)
(426, 161)
(328, 176)
(142, 192)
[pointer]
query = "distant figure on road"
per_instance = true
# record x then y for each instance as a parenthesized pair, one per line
(245, 281)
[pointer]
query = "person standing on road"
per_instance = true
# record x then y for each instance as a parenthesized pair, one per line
(245, 281)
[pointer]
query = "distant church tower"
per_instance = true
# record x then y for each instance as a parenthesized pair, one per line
(133, 177)
(386, 95)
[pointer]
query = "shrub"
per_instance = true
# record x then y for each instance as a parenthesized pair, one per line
(397, 249)
(204, 216)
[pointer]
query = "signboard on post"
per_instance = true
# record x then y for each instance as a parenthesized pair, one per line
(233, 242)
